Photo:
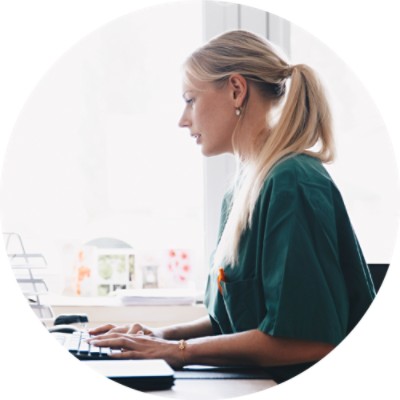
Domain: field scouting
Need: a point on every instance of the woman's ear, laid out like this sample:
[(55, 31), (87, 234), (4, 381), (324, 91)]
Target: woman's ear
[(238, 87)]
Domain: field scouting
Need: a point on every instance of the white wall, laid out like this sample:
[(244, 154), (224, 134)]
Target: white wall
[(365, 168)]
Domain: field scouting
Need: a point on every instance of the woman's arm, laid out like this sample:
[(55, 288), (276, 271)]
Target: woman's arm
[(246, 348), (253, 348), (194, 329)]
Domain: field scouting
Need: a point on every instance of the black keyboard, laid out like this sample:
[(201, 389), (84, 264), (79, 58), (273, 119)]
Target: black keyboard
[(77, 345)]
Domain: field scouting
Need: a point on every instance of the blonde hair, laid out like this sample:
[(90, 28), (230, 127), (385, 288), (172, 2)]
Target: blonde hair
[(303, 124)]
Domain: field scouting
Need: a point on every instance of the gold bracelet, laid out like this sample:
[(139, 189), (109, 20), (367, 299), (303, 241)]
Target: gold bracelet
[(182, 347)]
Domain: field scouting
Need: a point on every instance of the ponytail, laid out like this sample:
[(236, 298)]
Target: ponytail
[(305, 120), (303, 126)]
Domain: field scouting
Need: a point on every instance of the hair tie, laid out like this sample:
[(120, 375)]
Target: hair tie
[(289, 70)]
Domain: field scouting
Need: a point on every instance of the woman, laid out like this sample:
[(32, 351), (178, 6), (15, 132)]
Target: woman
[(288, 280)]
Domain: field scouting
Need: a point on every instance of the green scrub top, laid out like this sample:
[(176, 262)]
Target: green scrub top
[(301, 273)]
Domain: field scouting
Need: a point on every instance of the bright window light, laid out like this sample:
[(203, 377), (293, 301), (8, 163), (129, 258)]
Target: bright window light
[(97, 151)]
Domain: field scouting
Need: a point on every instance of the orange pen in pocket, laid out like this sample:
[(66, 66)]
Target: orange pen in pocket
[(221, 277)]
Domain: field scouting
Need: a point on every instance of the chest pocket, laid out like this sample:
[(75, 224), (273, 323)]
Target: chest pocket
[(244, 303)]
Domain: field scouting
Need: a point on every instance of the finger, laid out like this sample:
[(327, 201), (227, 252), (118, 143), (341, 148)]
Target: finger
[(105, 336), (101, 329), (114, 343), (136, 329), (119, 329), (111, 343)]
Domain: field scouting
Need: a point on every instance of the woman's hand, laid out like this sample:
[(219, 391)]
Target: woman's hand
[(140, 346), (127, 329), (187, 330)]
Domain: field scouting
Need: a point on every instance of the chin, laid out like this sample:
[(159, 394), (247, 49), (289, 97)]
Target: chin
[(214, 151), (209, 153)]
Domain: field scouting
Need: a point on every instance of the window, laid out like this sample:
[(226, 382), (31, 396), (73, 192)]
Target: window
[(97, 151)]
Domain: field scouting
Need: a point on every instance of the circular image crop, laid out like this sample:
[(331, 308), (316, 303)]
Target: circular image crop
[(220, 170)]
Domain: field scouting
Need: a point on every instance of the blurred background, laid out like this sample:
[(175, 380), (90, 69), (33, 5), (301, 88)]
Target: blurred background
[(98, 176)]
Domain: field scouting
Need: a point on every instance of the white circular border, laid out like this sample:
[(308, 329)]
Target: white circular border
[(33, 35)]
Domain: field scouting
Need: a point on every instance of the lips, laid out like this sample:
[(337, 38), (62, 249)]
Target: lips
[(196, 136)]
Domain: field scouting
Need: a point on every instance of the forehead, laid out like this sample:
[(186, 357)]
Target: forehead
[(192, 84)]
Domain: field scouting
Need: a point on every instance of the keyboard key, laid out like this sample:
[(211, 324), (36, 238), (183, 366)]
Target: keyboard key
[(77, 345)]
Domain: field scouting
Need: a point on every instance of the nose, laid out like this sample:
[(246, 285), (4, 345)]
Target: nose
[(184, 121)]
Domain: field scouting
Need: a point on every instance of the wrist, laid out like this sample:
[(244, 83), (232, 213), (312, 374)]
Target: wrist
[(182, 346)]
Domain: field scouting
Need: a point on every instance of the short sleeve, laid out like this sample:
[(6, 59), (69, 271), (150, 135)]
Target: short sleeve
[(304, 291)]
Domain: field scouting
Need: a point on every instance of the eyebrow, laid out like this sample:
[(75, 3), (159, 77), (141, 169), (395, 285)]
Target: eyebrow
[(185, 92)]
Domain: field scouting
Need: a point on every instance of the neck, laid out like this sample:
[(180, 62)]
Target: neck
[(252, 128)]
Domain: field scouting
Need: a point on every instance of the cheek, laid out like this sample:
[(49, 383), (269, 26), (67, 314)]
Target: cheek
[(214, 116), (225, 122)]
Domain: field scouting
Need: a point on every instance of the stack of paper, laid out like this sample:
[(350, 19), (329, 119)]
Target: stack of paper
[(157, 297)]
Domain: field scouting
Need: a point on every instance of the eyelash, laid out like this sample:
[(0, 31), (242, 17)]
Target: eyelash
[(189, 101)]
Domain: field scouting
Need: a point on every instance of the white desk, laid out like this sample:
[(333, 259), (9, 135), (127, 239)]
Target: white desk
[(213, 389), (104, 310)]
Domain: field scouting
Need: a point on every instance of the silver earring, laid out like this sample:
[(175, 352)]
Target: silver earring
[(238, 111)]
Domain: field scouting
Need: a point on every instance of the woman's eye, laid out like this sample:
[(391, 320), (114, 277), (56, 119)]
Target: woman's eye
[(189, 101)]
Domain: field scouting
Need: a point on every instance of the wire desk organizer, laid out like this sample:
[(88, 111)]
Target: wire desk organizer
[(25, 266)]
